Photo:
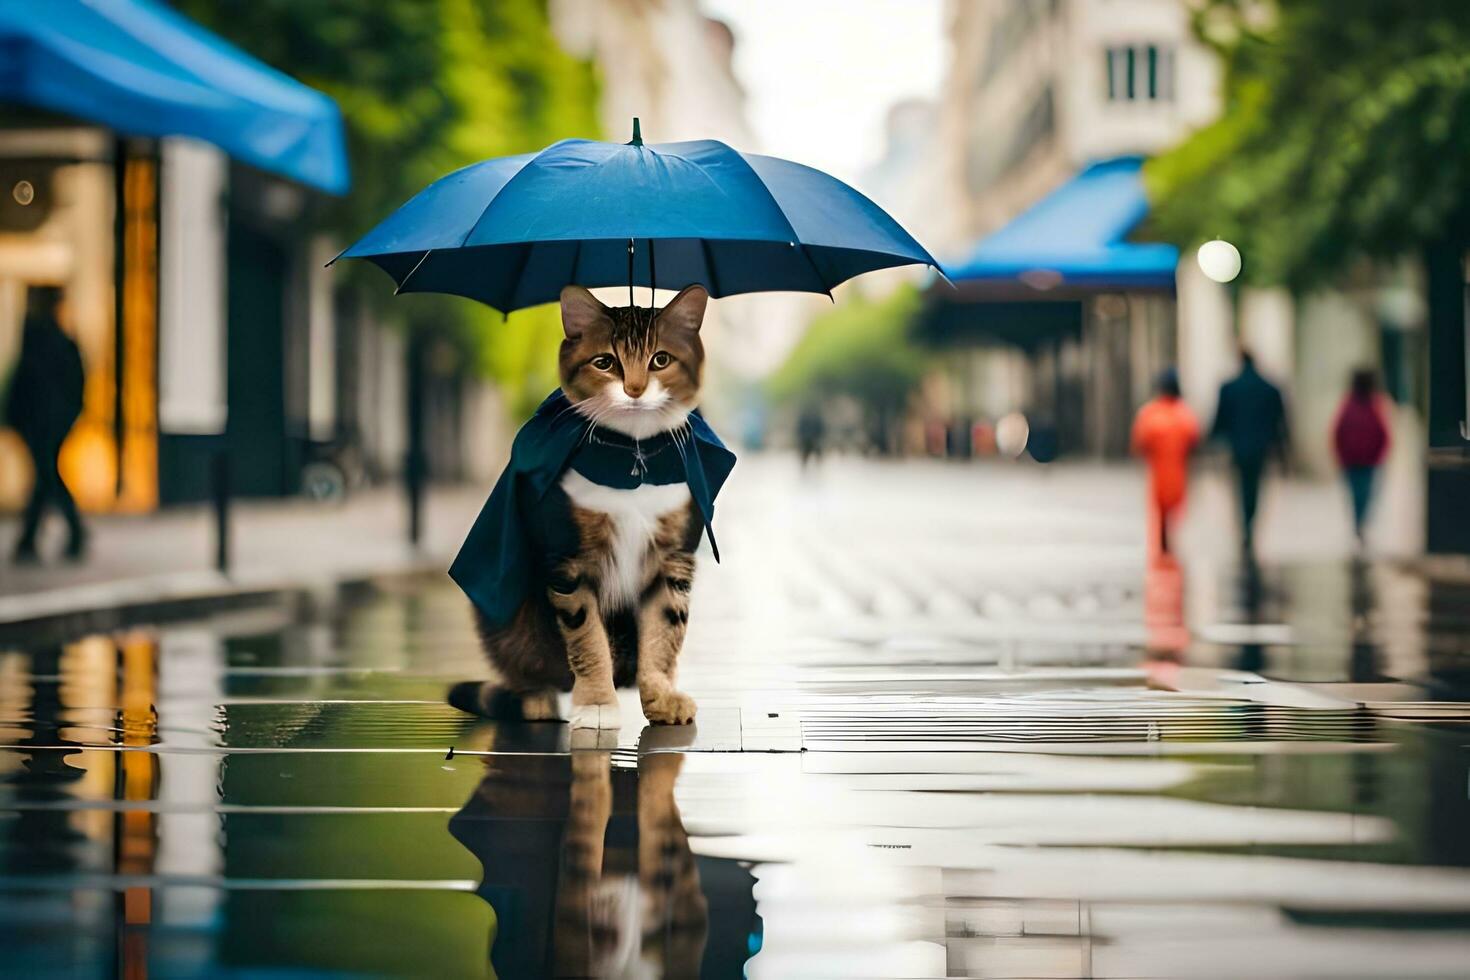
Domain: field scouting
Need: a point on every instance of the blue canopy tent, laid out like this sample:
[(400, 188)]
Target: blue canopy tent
[(1077, 236), (1027, 286), (142, 69), (1024, 284)]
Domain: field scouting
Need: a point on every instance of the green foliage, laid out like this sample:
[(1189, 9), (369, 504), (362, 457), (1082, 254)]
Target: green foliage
[(523, 358), (426, 87), (861, 349), (1346, 134)]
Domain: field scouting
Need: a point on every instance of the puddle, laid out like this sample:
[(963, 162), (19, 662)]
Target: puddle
[(1079, 788)]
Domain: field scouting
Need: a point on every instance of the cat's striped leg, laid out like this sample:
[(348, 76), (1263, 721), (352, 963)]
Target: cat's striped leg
[(663, 616), (582, 937), (676, 917), (594, 699)]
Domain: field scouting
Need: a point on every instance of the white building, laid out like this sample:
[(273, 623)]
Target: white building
[(1039, 89)]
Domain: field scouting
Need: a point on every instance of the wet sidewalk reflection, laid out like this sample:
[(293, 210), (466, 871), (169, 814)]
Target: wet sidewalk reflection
[(589, 872), (915, 757)]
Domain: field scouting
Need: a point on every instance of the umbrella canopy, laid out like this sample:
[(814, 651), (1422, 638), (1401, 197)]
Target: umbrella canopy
[(511, 232)]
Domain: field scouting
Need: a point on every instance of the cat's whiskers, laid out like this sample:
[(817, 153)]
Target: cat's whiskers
[(679, 434), (599, 414), (595, 409)]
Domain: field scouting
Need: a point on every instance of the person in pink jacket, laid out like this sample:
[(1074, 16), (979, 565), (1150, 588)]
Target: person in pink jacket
[(1360, 437)]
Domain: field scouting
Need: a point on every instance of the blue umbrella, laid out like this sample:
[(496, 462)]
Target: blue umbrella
[(511, 232)]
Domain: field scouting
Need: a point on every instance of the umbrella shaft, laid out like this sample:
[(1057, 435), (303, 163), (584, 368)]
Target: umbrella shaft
[(652, 275)]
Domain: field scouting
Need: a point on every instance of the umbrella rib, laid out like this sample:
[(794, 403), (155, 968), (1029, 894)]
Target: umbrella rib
[(531, 158), (821, 280), (404, 281), (709, 261), (795, 240), (515, 280)]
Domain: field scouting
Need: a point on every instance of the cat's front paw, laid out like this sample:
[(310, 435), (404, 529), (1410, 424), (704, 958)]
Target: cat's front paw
[(669, 708), (598, 716)]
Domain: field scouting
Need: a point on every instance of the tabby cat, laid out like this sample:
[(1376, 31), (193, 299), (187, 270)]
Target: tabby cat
[(614, 603)]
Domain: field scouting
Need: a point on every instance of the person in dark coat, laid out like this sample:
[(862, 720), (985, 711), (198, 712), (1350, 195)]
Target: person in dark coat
[(43, 403), (811, 429), (1360, 437), (1251, 419)]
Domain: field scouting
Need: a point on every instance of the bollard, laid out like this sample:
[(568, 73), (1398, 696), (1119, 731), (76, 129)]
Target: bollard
[(415, 463), (220, 485), (414, 478)]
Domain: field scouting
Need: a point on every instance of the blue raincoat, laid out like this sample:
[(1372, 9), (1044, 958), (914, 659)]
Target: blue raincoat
[(524, 530)]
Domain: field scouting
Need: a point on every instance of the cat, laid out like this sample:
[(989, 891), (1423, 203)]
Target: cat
[(614, 605), (588, 867)]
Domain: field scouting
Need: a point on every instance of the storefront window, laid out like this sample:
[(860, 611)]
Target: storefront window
[(57, 204)]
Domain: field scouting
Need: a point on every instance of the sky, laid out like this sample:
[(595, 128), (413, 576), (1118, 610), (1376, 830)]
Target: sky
[(820, 75)]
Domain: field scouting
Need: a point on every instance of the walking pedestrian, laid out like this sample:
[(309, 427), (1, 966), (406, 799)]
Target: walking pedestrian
[(1251, 418), (1165, 432), (811, 431), (1360, 436), (44, 401)]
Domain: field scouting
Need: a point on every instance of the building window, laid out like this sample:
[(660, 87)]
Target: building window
[(1140, 73)]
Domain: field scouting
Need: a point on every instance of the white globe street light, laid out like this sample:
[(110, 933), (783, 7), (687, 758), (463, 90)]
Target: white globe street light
[(1011, 433), (1219, 260)]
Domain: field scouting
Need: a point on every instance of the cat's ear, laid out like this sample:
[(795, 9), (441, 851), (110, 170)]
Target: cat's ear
[(579, 310), (686, 310)]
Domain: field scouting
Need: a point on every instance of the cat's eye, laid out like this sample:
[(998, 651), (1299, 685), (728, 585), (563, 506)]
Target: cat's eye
[(661, 360), (602, 362)]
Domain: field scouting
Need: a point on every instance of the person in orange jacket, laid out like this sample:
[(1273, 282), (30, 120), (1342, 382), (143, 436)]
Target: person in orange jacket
[(1165, 432)]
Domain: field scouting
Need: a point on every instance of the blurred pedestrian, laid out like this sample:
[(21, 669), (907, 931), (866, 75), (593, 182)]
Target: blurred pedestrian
[(1360, 436), (44, 401), (1251, 418), (811, 429), (1164, 434)]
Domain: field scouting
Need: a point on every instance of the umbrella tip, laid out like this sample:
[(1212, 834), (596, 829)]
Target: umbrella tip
[(637, 139)]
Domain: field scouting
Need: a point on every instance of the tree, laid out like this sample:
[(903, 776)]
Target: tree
[(861, 350), (426, 87), (1345, 136)]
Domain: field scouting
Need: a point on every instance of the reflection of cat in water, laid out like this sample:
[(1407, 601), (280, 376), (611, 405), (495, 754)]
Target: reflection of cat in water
[(615, 922), (581, 887)]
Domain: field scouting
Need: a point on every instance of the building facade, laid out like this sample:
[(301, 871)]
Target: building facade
[(1039, 89), (181, 232), (1036, 92)]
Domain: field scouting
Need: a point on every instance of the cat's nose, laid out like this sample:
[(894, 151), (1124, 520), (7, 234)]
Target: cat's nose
[(634, 388)]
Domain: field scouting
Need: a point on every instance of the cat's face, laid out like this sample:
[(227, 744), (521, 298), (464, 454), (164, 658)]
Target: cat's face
[(634, 370)]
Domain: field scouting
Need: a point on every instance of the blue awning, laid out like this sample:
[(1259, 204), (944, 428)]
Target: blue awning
[(140, 68), (1076, 236)]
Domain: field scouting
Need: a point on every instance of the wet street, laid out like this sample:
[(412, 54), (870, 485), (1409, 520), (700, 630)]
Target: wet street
[(952, 724)]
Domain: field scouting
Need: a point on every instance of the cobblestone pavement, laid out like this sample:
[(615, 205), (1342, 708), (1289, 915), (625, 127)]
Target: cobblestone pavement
[(952, 723)]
